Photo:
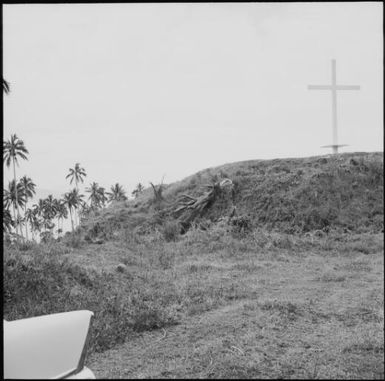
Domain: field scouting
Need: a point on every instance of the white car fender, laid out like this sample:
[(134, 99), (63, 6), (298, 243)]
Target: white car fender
[(46, 347)]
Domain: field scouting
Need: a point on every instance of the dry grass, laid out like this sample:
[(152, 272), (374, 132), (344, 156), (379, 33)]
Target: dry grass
[(210, 305), (273, 319)]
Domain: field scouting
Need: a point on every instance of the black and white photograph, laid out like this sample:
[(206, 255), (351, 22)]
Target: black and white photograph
[(193, 190)]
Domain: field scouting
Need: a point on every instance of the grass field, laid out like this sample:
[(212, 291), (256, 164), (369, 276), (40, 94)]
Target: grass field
[(265, 313), (266, 305)]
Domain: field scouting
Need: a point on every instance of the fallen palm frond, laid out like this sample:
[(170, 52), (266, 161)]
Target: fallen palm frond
[(6, 87), (189, 207), (158, 191)]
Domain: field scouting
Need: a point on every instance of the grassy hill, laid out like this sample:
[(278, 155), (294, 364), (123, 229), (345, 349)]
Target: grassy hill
[(342, 192), (296, 242)]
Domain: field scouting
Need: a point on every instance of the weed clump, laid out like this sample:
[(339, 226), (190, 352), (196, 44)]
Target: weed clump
[(286, 309), (241, 224), (171, 230), (73, 240)]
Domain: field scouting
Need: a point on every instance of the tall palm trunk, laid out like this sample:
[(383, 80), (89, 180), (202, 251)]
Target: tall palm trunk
[(58, 227), (26, 222), (72, 223), (14, 215), (16, 198), (75, 208), (75, 216)]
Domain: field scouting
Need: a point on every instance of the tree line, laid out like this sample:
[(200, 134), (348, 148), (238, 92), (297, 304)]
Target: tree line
[(41, 217)]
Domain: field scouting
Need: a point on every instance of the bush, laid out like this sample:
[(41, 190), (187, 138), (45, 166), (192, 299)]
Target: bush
[(73, 240), (171, 231), (241, 224), (46, 236), (26, 245)]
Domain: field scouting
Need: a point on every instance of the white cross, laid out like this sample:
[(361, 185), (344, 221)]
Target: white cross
[(334, 87)]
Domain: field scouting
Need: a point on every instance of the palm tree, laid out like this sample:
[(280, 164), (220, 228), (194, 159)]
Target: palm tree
[(20, 222), (94, 196), (72, 200), (8, 223), (67, 197), (102, 197), (6, 87), (14, 196), (29, 216), (6, 198), (117, 193), (84, 210), (76, 174), (12, 150), (28, 186), (39, 208), (138, 190), (49, 212), (77, 198), (29, 190), (43, 212), (50, 207), (7, 220), (57, 206), (61, 213), (36, 224)]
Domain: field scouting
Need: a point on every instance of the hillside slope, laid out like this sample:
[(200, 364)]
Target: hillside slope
[(343, 192)]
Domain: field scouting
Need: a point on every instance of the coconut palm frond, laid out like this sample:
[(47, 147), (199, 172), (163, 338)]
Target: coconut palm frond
[(76, 174), (6, 87), (189, 207)]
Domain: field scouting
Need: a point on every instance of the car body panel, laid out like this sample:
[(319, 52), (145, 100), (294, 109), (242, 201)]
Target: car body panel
[(46, 347), (84, 374)]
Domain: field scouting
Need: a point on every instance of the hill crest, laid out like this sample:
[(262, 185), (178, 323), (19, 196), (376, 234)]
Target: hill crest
[(292, 195)]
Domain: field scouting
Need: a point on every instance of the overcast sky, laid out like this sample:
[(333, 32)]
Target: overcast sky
[(137, 91)]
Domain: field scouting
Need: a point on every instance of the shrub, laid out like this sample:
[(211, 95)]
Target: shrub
[(241, 224), (25, 246), (171, 231), (73, 240), (46, 236), (376, 172)]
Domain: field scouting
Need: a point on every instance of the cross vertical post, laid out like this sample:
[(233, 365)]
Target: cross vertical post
[(334, 106), (333, 88)]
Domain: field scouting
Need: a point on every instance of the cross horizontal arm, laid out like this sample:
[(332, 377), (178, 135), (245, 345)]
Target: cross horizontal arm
[(319, 87), (347, 87), (330, 87)]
